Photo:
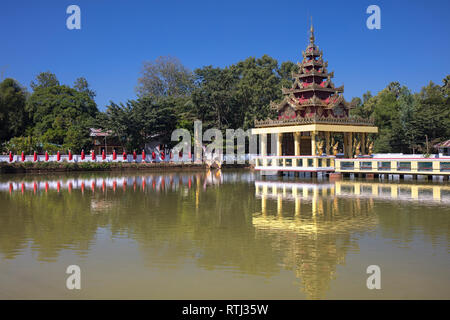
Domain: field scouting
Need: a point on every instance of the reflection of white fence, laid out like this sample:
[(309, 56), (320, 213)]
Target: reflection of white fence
[(156, 181), (353, 189)]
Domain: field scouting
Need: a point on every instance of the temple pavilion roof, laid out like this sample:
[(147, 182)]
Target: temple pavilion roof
[(313, 94)]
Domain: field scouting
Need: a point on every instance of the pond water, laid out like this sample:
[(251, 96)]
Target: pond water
[(222, 235)]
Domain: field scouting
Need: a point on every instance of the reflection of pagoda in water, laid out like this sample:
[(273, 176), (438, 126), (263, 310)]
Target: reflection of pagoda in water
[(311, 229), (319, 222)]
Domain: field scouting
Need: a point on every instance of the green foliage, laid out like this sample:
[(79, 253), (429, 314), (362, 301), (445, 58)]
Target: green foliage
[(82, 85), (119, 118), (59, 166), (44, 165), (51, 148), (139, 121), (77, 137), (44, 80), (90, 166), (406, 120), (29, 145), (157, 117), (165, 76), (234, 97), (25, 144), (259, 83), (62, 115), (214, 97), (13, 118)]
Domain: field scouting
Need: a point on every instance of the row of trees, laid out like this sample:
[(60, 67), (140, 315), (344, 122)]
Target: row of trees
[(408, 122), (169, 96)]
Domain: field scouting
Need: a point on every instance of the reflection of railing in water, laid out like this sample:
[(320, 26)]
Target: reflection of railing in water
[(394, 191), (386, 191)]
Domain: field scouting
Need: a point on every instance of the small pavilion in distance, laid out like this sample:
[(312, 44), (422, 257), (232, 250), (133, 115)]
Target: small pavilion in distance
[(313, 117)]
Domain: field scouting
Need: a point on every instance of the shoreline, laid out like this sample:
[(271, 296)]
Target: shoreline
[(46, 167)]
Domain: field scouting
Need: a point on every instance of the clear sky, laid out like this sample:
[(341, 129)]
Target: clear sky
[(412, 47)]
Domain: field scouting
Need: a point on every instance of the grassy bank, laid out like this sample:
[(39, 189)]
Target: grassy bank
[(38, 167)]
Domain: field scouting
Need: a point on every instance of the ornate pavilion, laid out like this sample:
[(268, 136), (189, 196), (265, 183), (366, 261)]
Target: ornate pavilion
[(313, 117)]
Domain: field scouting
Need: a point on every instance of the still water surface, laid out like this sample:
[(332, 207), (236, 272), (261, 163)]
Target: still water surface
[(222, 235)]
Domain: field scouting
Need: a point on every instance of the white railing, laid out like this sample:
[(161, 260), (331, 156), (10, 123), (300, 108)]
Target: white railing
[(98, 158), (415, 166), (295, 163)]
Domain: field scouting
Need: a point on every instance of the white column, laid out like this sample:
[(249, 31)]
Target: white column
[(279, 144), (297, 143), (263, 147)]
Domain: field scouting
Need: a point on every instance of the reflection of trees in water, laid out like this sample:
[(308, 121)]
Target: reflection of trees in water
[(46, 222), (409, 222), (51, 221), (212, 227), (313, 245)]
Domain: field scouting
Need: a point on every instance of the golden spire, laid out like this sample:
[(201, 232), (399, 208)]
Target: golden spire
[(311, 37)]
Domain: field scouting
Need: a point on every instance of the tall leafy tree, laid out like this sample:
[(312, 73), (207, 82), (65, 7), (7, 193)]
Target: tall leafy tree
[(234, 97), (156, 118), (409, 131), (406, 120), (285, 73), (259, 83), (62, 115), (139, 121), (214, 97), (433, 112), (119, 119), (13, 118), (44, 80), (82, 85), (165, 76)]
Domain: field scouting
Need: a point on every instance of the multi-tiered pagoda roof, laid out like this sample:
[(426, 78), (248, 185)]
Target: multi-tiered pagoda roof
[(313, 95)]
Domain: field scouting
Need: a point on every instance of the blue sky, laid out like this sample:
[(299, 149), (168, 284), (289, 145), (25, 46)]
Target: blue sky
[(412, 47)]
